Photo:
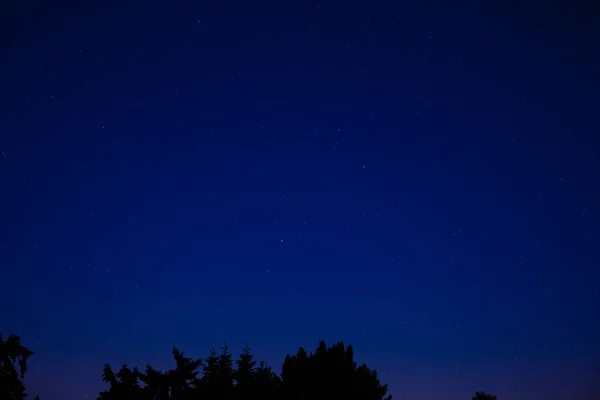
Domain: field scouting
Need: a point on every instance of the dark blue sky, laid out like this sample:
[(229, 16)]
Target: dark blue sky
[(420, 182)]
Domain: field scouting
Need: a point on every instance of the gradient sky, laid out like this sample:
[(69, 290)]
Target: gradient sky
[(421, 182)]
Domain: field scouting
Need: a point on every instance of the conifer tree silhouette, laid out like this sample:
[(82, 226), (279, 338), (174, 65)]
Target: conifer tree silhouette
[(267, 382), (245, 375), (208, 385), (225, 363), (225, 373), (182, 379), (157, 385)]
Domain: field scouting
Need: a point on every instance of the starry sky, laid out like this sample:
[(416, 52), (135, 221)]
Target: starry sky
[(419, 181)]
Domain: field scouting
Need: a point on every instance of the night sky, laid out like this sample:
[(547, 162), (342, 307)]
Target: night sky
[(421, 182)]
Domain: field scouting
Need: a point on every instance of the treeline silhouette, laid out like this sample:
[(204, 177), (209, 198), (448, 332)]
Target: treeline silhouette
[(325, 374), (328, 373)]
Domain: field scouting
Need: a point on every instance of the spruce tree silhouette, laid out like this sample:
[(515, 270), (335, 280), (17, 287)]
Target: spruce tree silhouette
[(13, 365), (209, 383), (245, 375), (266, 381), (483, 396), (182, 379), (225, 371)]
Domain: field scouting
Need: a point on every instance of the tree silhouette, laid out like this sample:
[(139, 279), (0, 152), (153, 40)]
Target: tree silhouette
[(267, 383), (209, 383), (157, 385), (183, 378), (245, 375), (483, 396), (294, 372), (13, 365), (125, 384), (329, 373), (225, 370)]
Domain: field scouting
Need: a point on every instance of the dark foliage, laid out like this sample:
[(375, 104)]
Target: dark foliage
[(328, 373), (483, 396), (13, 365)]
